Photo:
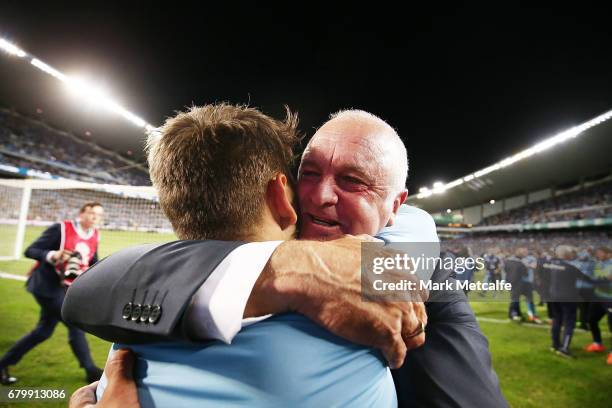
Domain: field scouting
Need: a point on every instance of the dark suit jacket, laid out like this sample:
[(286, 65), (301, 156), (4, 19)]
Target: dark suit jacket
[(44, 280), (515, 271), (452, 369), (139, 294)]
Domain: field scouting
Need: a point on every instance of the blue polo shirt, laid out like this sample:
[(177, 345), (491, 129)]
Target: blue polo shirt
[(283, 361)]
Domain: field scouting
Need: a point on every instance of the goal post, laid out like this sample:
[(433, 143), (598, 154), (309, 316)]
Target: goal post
[(132, 214)]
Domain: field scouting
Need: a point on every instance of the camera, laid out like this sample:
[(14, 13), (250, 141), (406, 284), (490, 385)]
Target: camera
[(73, 267)]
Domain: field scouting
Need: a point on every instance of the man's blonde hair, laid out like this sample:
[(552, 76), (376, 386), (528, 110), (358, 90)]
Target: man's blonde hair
[(211, 166)]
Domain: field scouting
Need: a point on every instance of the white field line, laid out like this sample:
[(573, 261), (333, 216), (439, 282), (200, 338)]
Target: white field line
[(5, 275)]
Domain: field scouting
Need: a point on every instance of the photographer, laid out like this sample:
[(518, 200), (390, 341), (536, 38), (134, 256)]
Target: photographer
[(62, 252)]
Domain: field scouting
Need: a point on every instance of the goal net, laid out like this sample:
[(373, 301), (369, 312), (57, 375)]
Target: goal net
[(132, 214)]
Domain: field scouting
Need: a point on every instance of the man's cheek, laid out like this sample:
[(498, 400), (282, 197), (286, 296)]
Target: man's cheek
[(306, 184), (370, 218)]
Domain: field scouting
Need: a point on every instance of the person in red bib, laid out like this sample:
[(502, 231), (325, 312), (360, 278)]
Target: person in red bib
[(79, 250), (63, 252)]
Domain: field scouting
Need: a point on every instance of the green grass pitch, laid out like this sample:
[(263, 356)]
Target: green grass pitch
[(530, 375)]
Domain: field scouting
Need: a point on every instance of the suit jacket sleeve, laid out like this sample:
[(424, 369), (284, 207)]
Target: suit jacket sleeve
[(453, 368), (163, 277), (455, 359), (50, 240)]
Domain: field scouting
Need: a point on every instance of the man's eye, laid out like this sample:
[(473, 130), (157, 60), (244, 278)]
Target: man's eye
[(353, 180)]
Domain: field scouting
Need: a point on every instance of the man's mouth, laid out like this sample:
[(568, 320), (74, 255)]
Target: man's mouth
[(323, 221)]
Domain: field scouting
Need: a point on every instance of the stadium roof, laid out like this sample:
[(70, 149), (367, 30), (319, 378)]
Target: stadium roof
[(577, 156)]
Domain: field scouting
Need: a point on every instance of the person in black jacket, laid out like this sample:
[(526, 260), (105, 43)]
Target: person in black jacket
[(563, 297), (515, 271), (62, 252)]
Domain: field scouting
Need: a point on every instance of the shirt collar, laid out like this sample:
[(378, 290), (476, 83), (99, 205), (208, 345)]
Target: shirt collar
[(80, 229)]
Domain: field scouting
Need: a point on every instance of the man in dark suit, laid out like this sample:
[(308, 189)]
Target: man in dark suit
[(350, 181), (515, 273), (62, 252)]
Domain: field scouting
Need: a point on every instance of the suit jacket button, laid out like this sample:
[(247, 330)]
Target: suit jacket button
[(156, 312), (136, 310), (145, 313), (126, 313)]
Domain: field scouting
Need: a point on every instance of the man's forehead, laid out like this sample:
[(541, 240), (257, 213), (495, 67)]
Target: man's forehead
[(348, 146), (346, 140)]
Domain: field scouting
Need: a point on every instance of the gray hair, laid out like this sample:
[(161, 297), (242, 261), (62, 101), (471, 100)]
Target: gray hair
[(400, 174), (566, 252)]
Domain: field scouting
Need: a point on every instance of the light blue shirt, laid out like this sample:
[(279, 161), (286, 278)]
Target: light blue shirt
[(411, 225), (586, 266), (284, 361), (530, 263)]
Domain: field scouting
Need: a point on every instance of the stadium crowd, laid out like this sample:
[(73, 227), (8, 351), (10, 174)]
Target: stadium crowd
[(569, 270), (122, 212), (592, 202), (31, 144)]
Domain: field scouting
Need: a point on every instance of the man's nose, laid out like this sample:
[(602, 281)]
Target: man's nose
[(325, 194)]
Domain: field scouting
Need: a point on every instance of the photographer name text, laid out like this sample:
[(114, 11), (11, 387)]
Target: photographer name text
[(410, 285)]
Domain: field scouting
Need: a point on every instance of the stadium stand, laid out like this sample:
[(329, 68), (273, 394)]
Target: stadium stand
[(591, 202), (539, 243), (578, 216), (26, 143), (122, 212)]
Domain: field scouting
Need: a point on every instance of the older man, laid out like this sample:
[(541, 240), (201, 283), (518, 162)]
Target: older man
[(352, 181), (352, 177)]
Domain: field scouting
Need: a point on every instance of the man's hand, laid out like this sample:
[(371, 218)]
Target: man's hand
[(322, 280), (61, 256), (120, 391)]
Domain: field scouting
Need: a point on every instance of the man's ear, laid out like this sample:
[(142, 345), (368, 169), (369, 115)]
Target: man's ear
[(279, 196), (397, 202)]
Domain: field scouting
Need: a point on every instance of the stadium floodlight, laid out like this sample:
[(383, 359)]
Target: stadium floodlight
[(11, 48), (487, 170), (455, 183), (81, 88), (85, 89), (134, 119), (448, 211), (544, 145), (438, 187), (98, 96), (491, 202), (424, 192), (48, 69)]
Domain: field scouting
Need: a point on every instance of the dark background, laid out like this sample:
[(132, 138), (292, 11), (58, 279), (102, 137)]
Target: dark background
[(465, 85)]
